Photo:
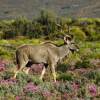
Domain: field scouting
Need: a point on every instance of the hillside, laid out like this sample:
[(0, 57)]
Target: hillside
[(29, 8)]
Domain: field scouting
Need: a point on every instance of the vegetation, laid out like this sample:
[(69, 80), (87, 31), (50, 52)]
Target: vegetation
[(51, 26), (78, 77)]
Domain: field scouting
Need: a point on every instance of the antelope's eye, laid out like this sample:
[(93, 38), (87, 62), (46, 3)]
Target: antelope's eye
[(69, 38)]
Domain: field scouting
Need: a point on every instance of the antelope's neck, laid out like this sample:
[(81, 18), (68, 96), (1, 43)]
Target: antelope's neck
[(63, 51)]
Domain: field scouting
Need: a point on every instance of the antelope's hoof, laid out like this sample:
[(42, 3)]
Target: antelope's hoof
[(13, 77)]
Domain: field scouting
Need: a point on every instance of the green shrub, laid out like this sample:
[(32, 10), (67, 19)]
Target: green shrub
[(10, 90), (83, 64), (7, 29), (24, 78), (5, 54), (89, 50), (82, 92), (78, 33), (64, 87), (20, 25), (7, 75), (97, 20), (34, 96), (47, 86), (3, 42), (9, 34), (51, 26), (36, 31), (1, 34), (92, 32), (48, 20), (94, 75), (65, 76), (85, 56), (87, 21), (63, 67), (3, 90), (72, 59)]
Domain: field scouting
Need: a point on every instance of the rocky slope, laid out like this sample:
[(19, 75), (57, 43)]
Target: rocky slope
[(30, 8)]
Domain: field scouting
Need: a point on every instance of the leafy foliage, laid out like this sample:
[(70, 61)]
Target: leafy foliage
[(50, 26)]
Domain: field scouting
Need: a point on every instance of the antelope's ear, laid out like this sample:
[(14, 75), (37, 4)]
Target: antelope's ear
[(67, 39)]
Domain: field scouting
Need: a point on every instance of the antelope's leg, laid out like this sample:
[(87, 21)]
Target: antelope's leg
[(19, 68), (53, 72), (16, 72), (43, 72), (27, 70)]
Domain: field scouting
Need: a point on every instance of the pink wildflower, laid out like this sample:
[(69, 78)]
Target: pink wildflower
[(46, 93), (75, 85), (2, 66), (2, 69), (92, 90), (17, 98), (8, 82), (30, 87)]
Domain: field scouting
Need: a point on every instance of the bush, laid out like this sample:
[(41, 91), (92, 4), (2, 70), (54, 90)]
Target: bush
[(36, 31), (85, 57), (51, 26), (63, 67), (83, 64), (5, 54), (1, 34), (73, 59), (20, 25), (64, 87), (48, 20), (94, 75), (65, 76), (86, 21), (78, 33), (7, 75), (91, 32)]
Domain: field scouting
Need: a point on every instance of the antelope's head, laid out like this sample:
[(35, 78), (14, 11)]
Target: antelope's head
[(68, 40)]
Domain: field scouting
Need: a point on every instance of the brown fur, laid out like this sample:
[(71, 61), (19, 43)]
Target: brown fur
[(47, 53)]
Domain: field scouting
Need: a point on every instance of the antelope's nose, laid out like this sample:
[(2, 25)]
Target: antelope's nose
[(77, 50)]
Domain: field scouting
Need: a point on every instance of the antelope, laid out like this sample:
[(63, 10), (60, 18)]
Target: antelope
[(46, 53)]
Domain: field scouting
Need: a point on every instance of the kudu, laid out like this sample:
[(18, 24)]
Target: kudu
[(47, 53)]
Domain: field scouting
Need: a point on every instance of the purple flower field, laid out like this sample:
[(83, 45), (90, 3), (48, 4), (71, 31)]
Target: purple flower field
[(26, 87)]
